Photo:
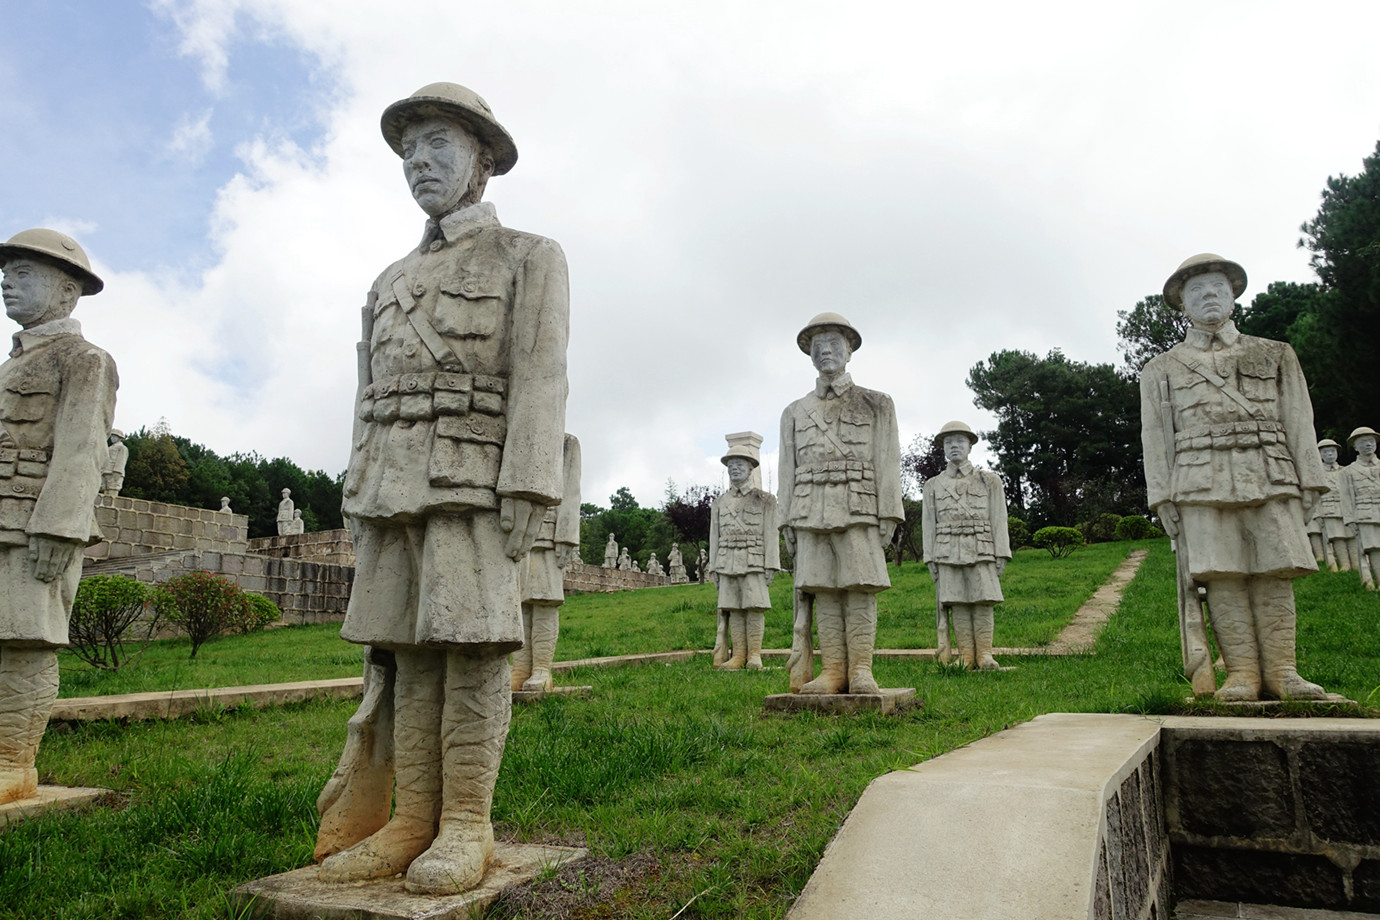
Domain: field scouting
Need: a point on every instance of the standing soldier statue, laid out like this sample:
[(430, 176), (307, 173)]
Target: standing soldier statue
[(57, 400), (113, 470), (457, 454), (966, 547), (1326, 531), (1361, 504), (745, 555), (1232, 469), (611, 553), (840, 502), (541, 580)]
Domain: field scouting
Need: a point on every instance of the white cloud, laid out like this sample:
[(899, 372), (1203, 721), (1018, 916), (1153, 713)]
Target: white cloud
[(207, 28), (191, 139)]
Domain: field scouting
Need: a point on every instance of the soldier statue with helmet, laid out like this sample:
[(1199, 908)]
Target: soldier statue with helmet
[(744, 557), (1361, 504), (1326, 530)]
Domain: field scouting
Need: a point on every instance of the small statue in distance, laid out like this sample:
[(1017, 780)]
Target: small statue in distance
[(117, 457), (1361, 504), (285, 509), (611, 553), (1326, 530), (746, 555)]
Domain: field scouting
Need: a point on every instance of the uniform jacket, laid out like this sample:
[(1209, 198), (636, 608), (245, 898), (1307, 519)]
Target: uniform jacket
[(1361, 492), (963, 519), (458, 434), (57, 400), (561, 524), (1330, 502), (1223, 454), (840, 458), (742, 533)]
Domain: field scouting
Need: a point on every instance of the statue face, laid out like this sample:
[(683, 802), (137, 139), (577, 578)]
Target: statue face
[(33, 291), (957, 447), (1208, 299), (738, 470), (830, 352), (1329, 455), (1365, 445), (439, 158)]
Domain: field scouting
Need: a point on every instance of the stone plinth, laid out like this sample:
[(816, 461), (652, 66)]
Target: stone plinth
[(534, 696), (171, 704), (334, 547), (49, 799), (134, 527), (889, 700), (595, 579), (298, 895)]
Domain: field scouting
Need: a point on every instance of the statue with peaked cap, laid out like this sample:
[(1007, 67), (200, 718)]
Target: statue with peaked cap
[(840, 501), (57, 400), (457, 454), (1360, 487), (966, 547), (1326, 529), (744, 556), (1230, 455)]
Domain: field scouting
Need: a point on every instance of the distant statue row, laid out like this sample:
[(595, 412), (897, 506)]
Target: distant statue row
[(614, 558), (1345, 526)]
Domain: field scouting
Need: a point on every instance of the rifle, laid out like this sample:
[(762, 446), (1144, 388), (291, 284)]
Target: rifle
[(941, 624), (722, 640), (1193, 642), (356, 799), (801, 665)]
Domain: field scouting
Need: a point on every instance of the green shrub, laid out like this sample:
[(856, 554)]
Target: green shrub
[(105, 610), (1101, 530), (1059, 541), (256, 613), (1017, 531), (1133, 527), (204, 605)]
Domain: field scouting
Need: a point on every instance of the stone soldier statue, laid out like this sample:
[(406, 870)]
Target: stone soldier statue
[(965, 545), (1326, 531), (297, 525), (1361, 504), (285, 509), (675, 565), (541, 581), (57, 399), (611, 553), (457, 454), (225, 504), (625, 563), (745, 556), (113, 471), (653, 566), (701, 566), (1230, 455), (840, 502)]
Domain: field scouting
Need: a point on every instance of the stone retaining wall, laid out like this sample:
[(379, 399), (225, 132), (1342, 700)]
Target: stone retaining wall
[(590, 579), (331, 546), (133, 526), (306, 592)]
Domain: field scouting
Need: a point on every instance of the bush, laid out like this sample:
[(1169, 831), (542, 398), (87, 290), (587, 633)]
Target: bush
[(105, 609), (1059, 541), (1017, 532), (204, 605), (1133, 527), (256, 613), (1101, 530)]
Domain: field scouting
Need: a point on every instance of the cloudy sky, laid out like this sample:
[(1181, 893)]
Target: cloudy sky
[(954, 178)]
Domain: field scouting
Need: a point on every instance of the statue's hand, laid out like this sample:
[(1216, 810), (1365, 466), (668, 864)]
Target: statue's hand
[(1310, 501), (520, 520), (565, 554), (1169, 518), (50, 556), (934, 570), (789, 534), (1001, 565), (888, 530)]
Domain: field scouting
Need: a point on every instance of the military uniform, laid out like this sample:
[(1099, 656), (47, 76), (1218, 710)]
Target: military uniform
[(541, 577), (1327, 513), (964, 533), (1360, 500), (57, 400), (442, 437), (744, 549)]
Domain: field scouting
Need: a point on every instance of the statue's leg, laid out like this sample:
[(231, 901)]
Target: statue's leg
[(756, 627), (1370, 565), (860, 615), (964, 638), (28, 687), (1234, 626), (417, 701), (474, 726), (983, 626), (1319, 553), (1357, 557), (522, 658), (833, 649), (1329, 555), (1341, 552), (737, 629), (1272, 600), (544, 629)]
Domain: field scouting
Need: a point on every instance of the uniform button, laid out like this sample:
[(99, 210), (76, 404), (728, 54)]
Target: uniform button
[(17, 488), (418, 289), (436, 245), (468, 287), (409, 349)]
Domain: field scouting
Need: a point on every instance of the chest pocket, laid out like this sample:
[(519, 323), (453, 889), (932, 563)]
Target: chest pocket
[(855, 426), (27, 398), (469, 304), (1193, 392), (1259, 379)]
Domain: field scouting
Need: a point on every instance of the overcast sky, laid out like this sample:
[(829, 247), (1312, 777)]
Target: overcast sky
[(954, 178)]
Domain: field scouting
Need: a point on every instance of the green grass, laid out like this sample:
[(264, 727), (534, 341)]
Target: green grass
[(672, 769)]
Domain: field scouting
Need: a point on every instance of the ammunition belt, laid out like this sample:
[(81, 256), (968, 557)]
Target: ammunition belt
[(24, 469), (963, 528), (1230, 435), (427, 396), (835, 471)]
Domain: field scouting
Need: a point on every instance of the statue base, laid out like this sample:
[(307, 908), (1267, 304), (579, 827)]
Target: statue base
[(48, 800), (1331, 700), (299, 895), (532, 696), (887, 701)]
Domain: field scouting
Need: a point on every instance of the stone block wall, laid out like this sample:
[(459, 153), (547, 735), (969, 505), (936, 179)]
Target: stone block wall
[(581, 578), (306, 592), (1276, 811), (331, 546), (1133, 880), (133, 527)]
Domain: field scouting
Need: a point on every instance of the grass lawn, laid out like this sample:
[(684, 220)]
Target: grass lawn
[(672, 775)]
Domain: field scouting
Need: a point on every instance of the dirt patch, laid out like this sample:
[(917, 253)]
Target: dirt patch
[(591, 888)]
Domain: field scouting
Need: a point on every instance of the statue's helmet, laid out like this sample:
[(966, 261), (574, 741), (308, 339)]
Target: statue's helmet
[(452, 101)]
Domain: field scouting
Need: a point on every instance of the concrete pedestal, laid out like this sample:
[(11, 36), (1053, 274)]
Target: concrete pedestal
[(49, 799), (532, 696), (889, 700)]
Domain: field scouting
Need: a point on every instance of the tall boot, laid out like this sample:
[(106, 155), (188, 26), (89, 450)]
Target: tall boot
[(420, 683), (756, 627), (1341, 553), (474, 727), (1229, 610), (522, 658), (722, 642), (737, 627), (1319, 553), (833, 647), (28, 687), (962, 615), (862, 634), (545, 628), (1272, 599), (983, 623), (1353, 546), (1330, 555), (1367, 566)]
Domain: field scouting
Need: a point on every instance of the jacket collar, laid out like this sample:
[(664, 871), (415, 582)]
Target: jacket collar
[(27, 339), (1202, 339), (839, 385), (460, 223)]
